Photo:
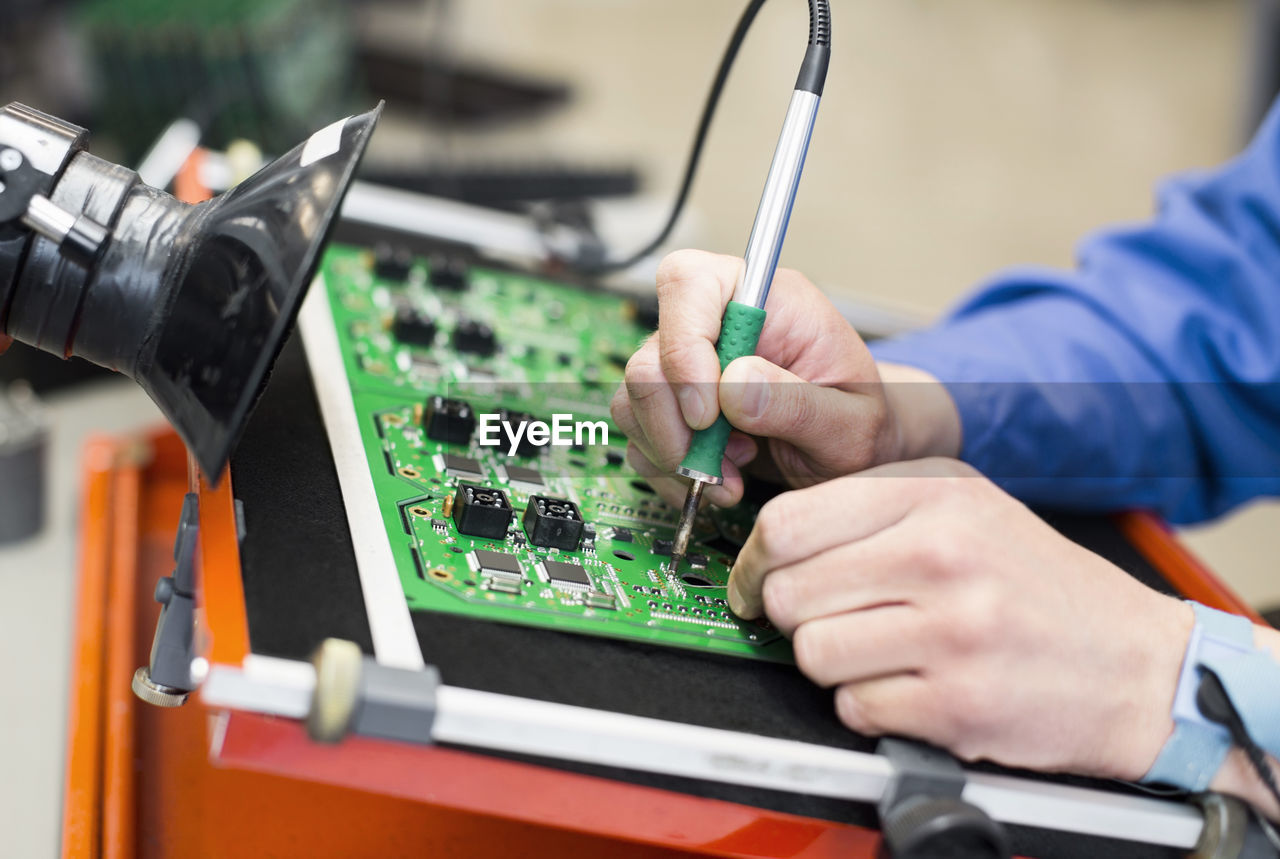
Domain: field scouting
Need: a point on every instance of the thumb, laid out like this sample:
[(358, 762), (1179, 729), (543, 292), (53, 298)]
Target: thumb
[(836, 430)]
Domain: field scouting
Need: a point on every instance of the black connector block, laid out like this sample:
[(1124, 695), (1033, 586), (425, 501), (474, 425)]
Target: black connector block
[(553, 523), (448, 420), (413, 328), (392, 262), (474, 338), (449, 273), (480, 511), (510, 422)]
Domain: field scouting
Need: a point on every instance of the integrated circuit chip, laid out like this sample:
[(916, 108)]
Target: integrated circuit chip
[(520, 474), (623, 535), (497, 563), (566, 575), (662, 547), (463, 466)]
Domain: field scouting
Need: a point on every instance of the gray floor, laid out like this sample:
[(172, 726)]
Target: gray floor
[(37, 594)]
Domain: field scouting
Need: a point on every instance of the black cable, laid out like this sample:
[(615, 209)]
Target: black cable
[(819, 34), (1215, 704)]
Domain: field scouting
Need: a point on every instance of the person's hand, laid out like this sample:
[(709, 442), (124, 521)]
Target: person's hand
[(812, 389), (939, 607)]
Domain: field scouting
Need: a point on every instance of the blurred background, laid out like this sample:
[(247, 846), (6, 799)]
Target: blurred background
[(955, 138)]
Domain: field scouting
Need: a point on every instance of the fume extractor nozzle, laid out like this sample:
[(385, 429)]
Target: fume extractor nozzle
[(193, 302)]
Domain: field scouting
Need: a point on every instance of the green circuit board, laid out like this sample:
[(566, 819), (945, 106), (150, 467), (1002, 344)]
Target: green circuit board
[(442, 356)]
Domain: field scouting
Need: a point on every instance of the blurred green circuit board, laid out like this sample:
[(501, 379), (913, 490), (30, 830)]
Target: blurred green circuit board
[(557, 349)]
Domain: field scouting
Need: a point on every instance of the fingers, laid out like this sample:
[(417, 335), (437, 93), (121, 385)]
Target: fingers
[(805, 522), (693, 289), (652, 418), (897, 704), (861, 645), (852, 577), (837, 430)]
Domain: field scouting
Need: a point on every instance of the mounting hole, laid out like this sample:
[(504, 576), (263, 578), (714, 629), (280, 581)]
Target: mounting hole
[(694, 580), (442, 575), (420, 512), (626, 556), (642, 486), (410, 472)]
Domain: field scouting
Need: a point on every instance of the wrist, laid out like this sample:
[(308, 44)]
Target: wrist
[(1237, 776), (1153, 665), (923, 416)]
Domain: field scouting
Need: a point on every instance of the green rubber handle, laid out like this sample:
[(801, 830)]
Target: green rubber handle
[(739, 334)]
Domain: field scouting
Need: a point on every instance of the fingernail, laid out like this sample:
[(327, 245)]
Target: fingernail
[(692, 405), (755, 396), (736, 603)]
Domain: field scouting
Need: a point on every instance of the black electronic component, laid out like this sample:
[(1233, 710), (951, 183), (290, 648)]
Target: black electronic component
[(497, 563), (449, 273), (520, 474), (480, 511), (463, 466), (661, 546), (554, 523), (392, 262), (696, 560), (510, 423), (413, 328), (565, 359), (448, 420), (474, 338), (440, 524), (623, 535), (613, 457), (565, 574)]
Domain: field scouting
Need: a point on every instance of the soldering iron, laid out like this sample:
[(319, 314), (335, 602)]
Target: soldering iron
[(744, 316)]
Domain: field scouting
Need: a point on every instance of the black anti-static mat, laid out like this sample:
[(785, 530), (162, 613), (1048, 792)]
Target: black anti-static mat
[(301, 586)]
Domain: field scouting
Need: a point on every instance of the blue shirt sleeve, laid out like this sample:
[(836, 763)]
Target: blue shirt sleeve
[(1148, 377)]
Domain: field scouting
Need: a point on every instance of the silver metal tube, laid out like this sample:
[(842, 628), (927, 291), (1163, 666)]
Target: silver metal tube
[(770, 228), (487, 720), (48, 219)]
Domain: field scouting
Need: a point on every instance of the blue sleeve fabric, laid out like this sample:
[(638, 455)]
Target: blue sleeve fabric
[(1148, 377)]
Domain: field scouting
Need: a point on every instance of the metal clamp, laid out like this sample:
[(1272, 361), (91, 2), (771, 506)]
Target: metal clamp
[(354, 694), (921, 809), (166, 680), (1231, 831)]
